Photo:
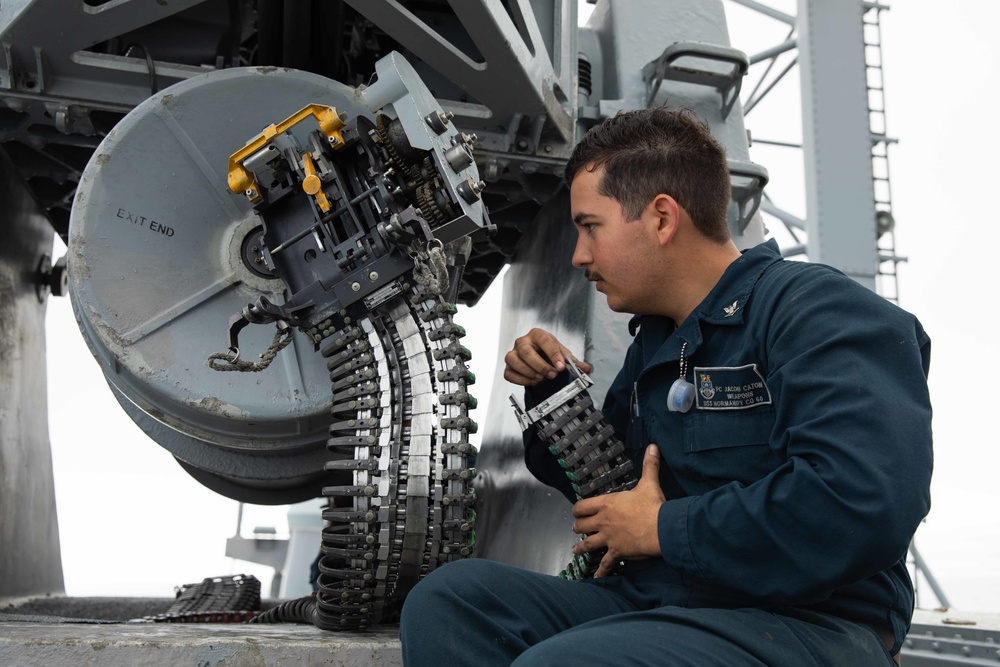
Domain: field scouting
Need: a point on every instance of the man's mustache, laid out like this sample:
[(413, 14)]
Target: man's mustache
[(593, 276)]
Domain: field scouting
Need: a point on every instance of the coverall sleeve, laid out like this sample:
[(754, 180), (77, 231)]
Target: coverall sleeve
[(847, 372)]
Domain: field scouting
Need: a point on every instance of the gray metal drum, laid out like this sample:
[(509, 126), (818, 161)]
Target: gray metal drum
[(156, 272)]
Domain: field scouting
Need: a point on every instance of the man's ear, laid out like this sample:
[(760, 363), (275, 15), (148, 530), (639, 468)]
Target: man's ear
[(667, 214)]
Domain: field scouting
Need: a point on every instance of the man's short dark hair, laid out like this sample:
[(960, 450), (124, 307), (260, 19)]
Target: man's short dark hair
[(655, 151)]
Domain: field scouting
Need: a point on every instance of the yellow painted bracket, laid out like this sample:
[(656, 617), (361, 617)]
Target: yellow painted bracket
[(241, 180), (311, 184)]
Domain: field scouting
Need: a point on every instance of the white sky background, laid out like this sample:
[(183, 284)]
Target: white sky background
[(133, 523)]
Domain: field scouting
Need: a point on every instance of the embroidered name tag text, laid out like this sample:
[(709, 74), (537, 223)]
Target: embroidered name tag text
[(730, 387)]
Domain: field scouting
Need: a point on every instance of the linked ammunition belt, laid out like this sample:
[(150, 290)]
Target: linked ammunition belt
[(231, 599), (585, 446), (401, 407)]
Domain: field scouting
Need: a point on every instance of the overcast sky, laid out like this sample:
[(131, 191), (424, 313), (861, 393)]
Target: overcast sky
[(939, 66), (133, 523)]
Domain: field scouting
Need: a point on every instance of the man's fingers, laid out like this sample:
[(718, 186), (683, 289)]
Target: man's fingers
[(538, 355), (586, 507), (530, 350), (516, 378), (607, 565), (651, 465), (589, 543), (551, 352), (518, 372)]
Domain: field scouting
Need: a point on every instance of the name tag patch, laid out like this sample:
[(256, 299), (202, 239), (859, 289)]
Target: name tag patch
[(730, 387)]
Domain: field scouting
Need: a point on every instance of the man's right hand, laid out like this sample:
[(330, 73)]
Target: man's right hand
[(538, 356)]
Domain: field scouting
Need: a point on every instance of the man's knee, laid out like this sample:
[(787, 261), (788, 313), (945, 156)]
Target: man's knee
[(446, 613), (454, 584), (458, 576)]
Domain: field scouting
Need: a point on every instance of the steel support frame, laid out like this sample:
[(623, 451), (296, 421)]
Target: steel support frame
[(30, 557), (840, 213), (840, 218), (61, 73), (527, 71)]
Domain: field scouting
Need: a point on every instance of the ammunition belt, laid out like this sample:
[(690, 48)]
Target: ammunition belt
[(400, 433), (586, 447)]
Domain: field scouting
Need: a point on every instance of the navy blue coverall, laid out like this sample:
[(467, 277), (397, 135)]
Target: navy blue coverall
[(793, 487)]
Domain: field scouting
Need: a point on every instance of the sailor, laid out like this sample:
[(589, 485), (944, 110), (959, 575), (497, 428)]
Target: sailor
[(781, 481)]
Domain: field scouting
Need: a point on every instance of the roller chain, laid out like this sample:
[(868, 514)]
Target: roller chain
[(401, 417), (585, 446)]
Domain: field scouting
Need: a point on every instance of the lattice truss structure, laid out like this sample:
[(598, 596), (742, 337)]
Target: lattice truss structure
[(777, 44)]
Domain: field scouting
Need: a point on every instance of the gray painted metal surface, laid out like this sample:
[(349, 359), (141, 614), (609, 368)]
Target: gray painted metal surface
[(156, 269), (34, 64), (29, 536), (840, 206), (945, 637), (61, 89), (156, 272), (516, 62)]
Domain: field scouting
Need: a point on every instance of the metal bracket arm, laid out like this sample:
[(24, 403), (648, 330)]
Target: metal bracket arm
[(330, 122), (727, 83), (748, 181)]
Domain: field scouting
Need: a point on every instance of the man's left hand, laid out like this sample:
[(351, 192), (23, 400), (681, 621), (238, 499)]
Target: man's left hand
[(625, 522)]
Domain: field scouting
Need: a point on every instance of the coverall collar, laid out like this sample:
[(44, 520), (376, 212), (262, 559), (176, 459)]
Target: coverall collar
[(724, 306)]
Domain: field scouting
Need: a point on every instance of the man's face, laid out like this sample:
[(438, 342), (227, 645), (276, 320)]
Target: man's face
[(617, 254)]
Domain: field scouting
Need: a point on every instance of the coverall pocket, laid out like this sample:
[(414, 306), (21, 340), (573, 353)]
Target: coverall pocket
[(731, 445)]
